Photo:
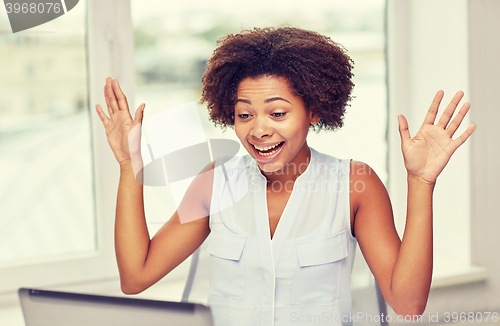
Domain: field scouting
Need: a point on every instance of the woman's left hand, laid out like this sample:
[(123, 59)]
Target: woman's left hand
[(426, 154)]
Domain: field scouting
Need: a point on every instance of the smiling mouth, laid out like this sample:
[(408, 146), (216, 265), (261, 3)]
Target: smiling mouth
[(268, 151)]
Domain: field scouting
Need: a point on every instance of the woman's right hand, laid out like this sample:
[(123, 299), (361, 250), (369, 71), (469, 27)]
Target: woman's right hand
[(120, 123)]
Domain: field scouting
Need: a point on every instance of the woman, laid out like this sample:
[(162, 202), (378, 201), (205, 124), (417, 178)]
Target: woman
[(285, 219)]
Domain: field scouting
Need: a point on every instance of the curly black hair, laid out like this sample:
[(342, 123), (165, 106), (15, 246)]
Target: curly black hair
[(318, 69)]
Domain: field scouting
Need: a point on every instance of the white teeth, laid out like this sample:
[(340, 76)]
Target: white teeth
[(270, 153), (265, 148)]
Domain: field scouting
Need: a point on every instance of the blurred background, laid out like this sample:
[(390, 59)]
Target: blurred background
[(59, 183)]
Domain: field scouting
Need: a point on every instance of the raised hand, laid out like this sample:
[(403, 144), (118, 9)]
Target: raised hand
[(120, 123), (426, 154)]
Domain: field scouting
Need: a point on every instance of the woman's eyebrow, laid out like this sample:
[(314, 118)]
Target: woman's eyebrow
[(244, 101), (277, 98)]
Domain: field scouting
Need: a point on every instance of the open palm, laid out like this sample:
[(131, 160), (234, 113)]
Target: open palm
[(426, 154), (120, 124)]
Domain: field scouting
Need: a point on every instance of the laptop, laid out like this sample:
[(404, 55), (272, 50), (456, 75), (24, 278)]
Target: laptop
[(51, 308)]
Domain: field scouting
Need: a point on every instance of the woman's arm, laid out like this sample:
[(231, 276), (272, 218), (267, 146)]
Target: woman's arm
[(131, 232), (412, 274), (403, 269), (141, 261)]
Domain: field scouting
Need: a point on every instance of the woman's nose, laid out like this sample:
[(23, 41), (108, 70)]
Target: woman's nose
[(261, 128)]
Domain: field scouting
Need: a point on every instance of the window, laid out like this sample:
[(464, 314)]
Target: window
[(47, 188), (49, 228)]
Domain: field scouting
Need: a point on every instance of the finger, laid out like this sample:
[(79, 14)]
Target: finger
[(464, 136), (139, 114), (455, 123), (433, 109), (110, 110), (113, 102), (404, 132), (102, 115), (448, 112), (122, 99)]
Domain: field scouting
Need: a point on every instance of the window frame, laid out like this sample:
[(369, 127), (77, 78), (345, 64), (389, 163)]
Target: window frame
[(109, 43)]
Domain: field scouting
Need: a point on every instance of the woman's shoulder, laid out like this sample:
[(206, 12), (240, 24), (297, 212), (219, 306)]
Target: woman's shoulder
[(365, 185), (360, 173), (361, 170)]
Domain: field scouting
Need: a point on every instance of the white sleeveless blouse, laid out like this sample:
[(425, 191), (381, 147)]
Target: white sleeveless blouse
[(302, 276)]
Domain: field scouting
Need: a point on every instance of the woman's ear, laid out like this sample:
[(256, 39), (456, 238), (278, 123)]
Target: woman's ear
[(314, 118)]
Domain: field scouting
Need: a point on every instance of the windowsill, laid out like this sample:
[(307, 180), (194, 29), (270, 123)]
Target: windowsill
[(465, 275), (449, 271)]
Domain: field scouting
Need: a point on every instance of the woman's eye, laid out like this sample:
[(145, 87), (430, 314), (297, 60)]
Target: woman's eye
[(279, 114), (244, 116)]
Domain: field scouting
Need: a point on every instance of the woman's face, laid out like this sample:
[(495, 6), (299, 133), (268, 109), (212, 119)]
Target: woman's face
[(272, 122)]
